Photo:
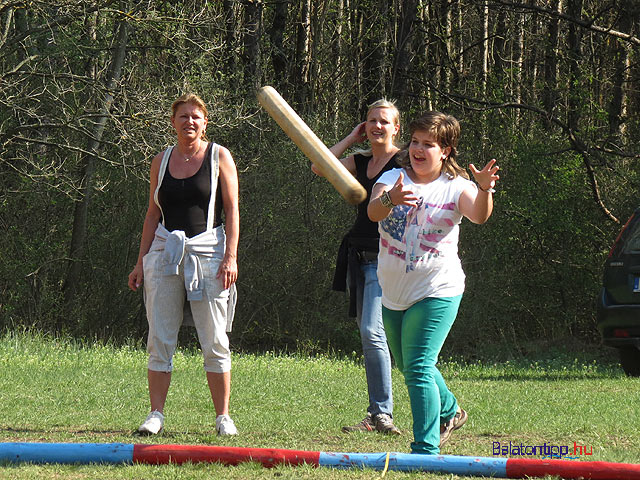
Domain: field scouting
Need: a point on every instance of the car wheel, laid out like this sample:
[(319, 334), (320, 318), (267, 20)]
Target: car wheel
[(630, 360)]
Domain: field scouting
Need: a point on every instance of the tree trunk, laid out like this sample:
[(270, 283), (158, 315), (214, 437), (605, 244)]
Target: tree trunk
[(399, 77), (88, 168), (230, 35), (574, 43), (374, 51), (499, 44), (622, 55), (356, 27), (443, 16), (318, 29), (519, 61), (532, 24), (462, 54), (278, 55), (303, 43), (550, 96), (251, 41), (449, 43), (335, 106), (426, 51), (485, 50)]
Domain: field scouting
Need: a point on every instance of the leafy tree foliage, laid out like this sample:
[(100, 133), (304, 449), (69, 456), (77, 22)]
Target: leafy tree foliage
[(548, 87)]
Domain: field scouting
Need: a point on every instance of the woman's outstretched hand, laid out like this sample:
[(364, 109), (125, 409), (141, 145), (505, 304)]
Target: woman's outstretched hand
[(402, 194), (487, 177)]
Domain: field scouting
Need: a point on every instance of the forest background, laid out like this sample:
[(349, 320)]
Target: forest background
[(548, 87)]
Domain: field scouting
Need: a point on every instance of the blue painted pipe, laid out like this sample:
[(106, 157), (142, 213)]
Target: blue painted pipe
[(66, 452), (459, 465)]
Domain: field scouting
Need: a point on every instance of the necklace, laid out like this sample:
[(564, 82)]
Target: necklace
[(188, 159)]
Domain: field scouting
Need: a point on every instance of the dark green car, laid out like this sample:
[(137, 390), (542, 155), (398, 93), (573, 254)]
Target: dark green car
[(619, 304)]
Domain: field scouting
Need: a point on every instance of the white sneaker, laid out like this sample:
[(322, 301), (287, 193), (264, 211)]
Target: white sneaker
[(225, 426), (153, 424)]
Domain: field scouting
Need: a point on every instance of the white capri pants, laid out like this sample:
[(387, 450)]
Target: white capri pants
[(165, 297)]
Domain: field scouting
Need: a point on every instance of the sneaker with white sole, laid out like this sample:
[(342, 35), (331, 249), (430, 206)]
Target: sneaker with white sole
[(447, 428), (153, 424), (225, 426), (366, 425), (384, 424)]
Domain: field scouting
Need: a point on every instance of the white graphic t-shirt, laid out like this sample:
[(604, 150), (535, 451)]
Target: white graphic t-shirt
[(419, 245)]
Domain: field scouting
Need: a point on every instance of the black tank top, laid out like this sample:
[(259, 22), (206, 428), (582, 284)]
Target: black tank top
[(364, 233), (185, 201)]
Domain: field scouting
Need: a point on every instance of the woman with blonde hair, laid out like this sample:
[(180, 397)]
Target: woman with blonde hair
[(188, 259), (358, 259)]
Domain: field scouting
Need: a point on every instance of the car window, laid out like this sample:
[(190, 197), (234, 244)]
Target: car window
[(632, 243)]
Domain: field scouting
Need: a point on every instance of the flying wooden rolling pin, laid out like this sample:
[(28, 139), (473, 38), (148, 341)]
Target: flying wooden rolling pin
[(311, 145)]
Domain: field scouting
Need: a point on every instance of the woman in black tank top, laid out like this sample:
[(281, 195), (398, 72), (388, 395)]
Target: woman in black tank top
[(179, 224), (358, 260), (185, 201)]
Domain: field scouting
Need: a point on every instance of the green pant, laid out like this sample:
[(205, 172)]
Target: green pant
[(415, 338)]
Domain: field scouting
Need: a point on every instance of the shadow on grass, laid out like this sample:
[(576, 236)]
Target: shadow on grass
[(459, 373), (562, 359), (90, 432)]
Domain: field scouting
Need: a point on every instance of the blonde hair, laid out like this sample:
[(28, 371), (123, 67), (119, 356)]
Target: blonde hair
[(382, 103), (192, 99), (445, 130)]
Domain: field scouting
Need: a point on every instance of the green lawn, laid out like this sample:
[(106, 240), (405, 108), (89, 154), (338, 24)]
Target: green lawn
[(62, 391)]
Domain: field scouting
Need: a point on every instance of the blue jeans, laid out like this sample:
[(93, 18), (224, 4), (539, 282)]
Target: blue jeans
[(377, 360)]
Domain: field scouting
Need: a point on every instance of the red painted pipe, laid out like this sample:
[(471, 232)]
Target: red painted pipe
[(531, 467), (155, 454)]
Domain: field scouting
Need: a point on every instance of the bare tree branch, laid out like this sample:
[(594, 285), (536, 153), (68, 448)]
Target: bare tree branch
[(20, 64), (577, 144), (71, 148), (53, 23), (589, 25)]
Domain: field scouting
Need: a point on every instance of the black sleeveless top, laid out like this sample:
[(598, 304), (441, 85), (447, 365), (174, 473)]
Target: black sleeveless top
[(364, 233), (185, 201)]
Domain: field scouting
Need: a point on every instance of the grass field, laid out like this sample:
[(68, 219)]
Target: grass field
[(62, 391)]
